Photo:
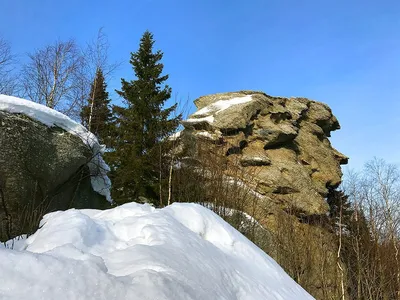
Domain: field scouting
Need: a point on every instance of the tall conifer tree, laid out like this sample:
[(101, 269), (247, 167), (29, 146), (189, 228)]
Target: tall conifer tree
[(96, 116), (142, 127)]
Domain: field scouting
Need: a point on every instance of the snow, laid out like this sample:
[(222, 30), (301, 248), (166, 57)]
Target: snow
[(49, 117), (206, 113), (175, 136), (258, 158), (209, 120), (134, 251), (206, 134), (221, 105), (226, 211)]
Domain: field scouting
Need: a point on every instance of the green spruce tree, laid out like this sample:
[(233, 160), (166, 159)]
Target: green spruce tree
[(96, 116), (142, 128), (339, 207)]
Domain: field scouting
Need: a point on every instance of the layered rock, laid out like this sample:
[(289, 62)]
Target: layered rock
[(281, 143), (271, 158)]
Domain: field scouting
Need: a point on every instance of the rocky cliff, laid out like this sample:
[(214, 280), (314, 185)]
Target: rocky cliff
[(271, 158), (281, 143)]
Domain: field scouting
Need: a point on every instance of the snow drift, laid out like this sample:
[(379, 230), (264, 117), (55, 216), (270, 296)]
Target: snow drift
[(135, 251)]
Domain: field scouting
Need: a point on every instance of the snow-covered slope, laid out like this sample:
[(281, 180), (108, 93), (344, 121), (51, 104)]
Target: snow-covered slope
[(47, 116), (134, 251)]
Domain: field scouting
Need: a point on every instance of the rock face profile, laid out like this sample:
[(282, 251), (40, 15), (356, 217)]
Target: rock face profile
[(42, 168), (281, 143), (269, 157)]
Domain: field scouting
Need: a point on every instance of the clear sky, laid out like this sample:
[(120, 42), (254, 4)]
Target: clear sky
[(345, 53)]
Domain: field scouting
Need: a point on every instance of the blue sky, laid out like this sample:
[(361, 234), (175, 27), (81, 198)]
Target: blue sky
[(343, 53)]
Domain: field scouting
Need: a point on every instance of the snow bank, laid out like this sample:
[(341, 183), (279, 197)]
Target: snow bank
[(229, 212), (98, 168), (134, 251)]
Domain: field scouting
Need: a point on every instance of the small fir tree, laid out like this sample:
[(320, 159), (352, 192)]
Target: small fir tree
[(339, 207), (96, 116)]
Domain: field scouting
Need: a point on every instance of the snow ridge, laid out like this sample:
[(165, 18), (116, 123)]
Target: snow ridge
[(137, 252)]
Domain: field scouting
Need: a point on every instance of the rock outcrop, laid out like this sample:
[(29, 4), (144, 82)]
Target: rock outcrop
[(277, 165), (281, 143), (42, 169)]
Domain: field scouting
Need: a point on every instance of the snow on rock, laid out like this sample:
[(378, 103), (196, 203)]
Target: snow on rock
[(206, 113), (206, 134), (221, 105), (47, 116), (134, 251), (209, 120), (175, 136)]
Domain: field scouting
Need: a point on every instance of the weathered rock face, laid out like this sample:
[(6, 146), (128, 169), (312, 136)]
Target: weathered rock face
[(281, 143), (42, 169), (274, 162)]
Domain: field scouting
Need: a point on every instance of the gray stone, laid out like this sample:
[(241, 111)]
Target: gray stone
[(42, 169)]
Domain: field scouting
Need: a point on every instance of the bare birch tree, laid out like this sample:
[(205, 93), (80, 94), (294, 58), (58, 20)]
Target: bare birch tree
[(7, 60), (96, 57), (53, 76), (372, 245), (384, 187)]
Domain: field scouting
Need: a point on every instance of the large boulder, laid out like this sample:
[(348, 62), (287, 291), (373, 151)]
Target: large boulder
[(282, 144), (275, 163), (42, 169)]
